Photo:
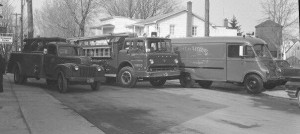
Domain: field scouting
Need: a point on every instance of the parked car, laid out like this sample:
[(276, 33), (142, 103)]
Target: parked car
[(287, 69)]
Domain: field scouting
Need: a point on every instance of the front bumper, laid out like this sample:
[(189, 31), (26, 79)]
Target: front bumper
[(277, 80), (85, 80), (159, 74)]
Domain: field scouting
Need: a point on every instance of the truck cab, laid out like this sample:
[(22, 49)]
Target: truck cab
[(135, 59)]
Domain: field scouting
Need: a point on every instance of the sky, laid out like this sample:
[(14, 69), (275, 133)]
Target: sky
[(247, 12)]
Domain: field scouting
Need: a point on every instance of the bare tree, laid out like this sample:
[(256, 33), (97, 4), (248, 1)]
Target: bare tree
[(139, 9), (66, 18), (283, 12), (6, 23)]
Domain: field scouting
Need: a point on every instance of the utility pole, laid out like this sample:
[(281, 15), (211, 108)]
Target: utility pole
[(206, 18), (21, 19), (30, 18), (16, 31)]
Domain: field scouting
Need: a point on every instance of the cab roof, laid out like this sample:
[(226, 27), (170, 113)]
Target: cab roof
[(235, 39)]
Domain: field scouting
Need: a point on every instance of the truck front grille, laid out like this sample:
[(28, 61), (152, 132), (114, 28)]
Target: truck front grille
[(87, 71)]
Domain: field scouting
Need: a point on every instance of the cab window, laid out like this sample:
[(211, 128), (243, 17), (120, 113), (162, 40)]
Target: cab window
[(51, 50), (128, 45), (233, 51)]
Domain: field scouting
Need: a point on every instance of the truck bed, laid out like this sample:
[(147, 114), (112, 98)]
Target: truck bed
[(28, 62)]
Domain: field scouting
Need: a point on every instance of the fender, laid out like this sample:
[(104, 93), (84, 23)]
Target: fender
[(254, 72), (65, 68), (125, 63)]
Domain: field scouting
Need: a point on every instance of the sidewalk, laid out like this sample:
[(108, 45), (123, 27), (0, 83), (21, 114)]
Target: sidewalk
[(30, 110)]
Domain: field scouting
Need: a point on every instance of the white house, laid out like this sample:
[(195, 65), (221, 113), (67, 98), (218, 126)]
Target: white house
[(114, 24), (182, 23)]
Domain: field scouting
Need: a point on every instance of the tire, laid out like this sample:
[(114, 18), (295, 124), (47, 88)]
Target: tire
[(205, 84), (62, 83), (253, 84), (269, 86), (158, 82), (186, 80), (298, 98), (96, 86), (126, 78), (18, 78)]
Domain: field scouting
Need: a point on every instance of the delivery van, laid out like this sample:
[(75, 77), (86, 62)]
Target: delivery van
[(243, 60)]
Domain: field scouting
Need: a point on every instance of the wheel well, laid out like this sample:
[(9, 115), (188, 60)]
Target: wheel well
[(250, 74), (124, 64)]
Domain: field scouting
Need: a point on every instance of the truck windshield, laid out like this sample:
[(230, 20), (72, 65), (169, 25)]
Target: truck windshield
[(262, 51), (159, 45), (69, 51)]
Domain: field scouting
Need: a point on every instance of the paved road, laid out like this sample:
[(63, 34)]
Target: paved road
[(146, 110)]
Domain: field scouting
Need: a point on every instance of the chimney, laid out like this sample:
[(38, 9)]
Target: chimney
[(226, 22), (189, 20)]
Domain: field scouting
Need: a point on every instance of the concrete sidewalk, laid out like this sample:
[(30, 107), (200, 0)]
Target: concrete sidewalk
[(30, 110)]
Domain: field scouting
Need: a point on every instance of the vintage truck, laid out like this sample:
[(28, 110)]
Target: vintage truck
[(55, 60), (128, 59), (242, 60)]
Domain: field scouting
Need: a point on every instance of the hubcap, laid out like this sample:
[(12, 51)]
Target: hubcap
[(126, 77), (60, 86), (16, 76), (252, 84)]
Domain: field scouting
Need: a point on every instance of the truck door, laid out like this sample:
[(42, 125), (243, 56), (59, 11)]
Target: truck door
[(50, 60), (235, 62), (124, 52)]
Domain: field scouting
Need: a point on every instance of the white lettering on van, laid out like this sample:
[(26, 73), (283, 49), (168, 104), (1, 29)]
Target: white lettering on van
[(199, 50)]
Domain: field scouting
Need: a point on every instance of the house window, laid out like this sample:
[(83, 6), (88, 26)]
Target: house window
[(194, 31), (172, 27)]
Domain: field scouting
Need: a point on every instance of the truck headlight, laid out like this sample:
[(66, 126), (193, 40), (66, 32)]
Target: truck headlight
[(176, 61), (99, 68), (151, 61), (76, 68)]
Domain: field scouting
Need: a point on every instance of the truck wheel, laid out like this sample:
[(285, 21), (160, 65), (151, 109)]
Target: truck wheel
[(18, 78), (186, 80), (158, 82), (96, 85), (126, 77), (205, 84), (62, 83), (269, 85), (253, 84)]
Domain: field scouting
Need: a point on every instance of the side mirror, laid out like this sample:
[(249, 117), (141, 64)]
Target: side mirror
[(45, 51)]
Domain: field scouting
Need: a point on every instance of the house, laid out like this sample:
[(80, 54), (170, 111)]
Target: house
[(182, 23), (114, 24), (270, 32), (292, 52)]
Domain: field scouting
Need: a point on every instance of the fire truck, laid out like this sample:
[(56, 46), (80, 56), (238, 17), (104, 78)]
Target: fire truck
[(128, 59)]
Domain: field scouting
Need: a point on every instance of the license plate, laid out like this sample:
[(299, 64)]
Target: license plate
[(90, 80)]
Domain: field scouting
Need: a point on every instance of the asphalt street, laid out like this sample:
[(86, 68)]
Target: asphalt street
[(225, 108)]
